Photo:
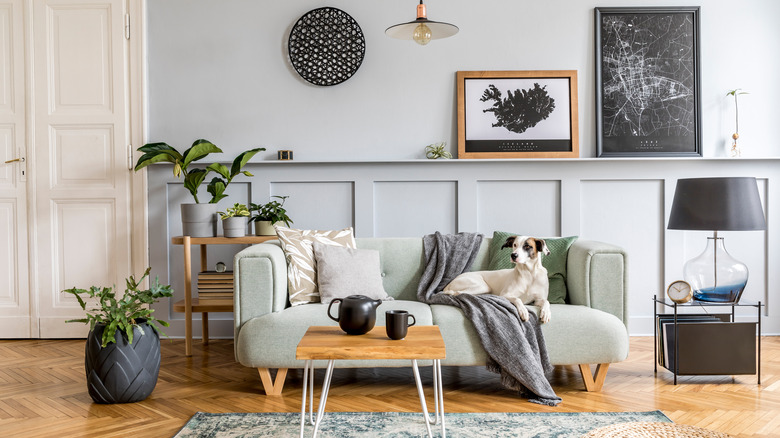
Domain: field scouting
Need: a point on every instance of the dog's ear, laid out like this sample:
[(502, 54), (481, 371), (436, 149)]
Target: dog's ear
[(541, 246), (509, 242)]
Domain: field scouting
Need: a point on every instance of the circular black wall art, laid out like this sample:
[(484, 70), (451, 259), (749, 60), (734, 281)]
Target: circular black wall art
[(326, 46)]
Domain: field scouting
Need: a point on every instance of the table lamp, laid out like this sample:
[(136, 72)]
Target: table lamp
[(717, 204)]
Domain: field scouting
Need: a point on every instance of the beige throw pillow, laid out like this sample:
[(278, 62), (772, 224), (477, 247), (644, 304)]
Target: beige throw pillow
[(342, 272), (301, 265)]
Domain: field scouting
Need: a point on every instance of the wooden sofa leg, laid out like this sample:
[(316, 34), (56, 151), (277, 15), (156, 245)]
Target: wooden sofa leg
[(272, 387), (594, 382)]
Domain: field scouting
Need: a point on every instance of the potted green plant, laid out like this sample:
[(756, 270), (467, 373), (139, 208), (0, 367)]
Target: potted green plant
[(219, 183), (234, 220), (268, 215), (198, 220), (123, 346)]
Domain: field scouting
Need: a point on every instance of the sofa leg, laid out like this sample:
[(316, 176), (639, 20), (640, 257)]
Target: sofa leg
[(272, 387), (594, 382)]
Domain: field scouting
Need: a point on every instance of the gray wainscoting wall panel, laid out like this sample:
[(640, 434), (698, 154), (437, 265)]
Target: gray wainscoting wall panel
[(318, 205), (625, 201), (530, 208), (415, 208), (629, 214)]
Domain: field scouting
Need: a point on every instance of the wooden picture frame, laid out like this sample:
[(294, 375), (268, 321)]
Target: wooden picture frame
[(518, 114), (648, 82)]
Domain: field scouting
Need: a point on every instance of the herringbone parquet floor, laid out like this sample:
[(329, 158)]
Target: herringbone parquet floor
[(43, 392)]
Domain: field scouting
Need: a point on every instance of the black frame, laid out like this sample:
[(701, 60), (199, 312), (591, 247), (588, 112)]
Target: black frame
[(629, 142)]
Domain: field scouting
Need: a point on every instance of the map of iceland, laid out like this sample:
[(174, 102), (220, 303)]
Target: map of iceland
[(648, 75)]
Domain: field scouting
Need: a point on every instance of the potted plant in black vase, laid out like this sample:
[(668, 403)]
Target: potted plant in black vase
[(122, 353), (234, 220), (268, 215)]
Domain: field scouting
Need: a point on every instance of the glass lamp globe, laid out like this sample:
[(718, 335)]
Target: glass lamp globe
[(715, 275)]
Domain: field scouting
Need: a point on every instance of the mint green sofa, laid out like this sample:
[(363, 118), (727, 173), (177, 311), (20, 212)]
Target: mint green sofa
[(591, 329)]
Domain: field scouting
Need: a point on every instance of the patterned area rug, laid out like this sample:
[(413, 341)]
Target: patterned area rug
[(402, 424)]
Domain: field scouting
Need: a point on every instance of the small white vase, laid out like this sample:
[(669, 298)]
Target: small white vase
[(264, 228)]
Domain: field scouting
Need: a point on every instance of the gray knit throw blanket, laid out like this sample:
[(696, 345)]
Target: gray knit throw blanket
[(516, 349)]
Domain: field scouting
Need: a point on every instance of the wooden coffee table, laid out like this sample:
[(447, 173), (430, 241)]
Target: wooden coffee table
[(331, 344)]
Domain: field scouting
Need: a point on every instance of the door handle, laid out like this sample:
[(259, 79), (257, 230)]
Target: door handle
[(21, 160)]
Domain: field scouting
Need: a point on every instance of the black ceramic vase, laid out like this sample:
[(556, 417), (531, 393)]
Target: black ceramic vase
[(121, 372)]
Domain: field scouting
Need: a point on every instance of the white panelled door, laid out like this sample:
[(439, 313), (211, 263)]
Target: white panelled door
[(82, 180), (15, 320), (65, 169)]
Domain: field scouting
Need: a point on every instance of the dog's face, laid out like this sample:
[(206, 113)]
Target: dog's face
[(525, 248)]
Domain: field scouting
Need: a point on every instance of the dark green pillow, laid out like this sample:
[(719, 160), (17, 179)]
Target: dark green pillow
[(555, 263)]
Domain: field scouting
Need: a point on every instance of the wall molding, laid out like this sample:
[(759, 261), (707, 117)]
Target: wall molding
[(625, 201)]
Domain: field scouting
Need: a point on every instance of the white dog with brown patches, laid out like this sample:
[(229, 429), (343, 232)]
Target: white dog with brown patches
[(526, 283)]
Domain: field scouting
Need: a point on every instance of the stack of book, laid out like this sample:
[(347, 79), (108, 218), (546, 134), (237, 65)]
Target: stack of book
[(213, 286)]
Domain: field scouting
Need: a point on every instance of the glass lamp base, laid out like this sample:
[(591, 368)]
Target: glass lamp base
[(714, 275)]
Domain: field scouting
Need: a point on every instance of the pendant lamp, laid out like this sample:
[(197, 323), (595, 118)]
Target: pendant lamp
[(422, 30)]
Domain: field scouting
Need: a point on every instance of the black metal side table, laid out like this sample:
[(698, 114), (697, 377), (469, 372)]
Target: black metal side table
[(688, 343)]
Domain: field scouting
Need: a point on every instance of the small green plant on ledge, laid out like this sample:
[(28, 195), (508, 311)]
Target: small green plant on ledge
[(237, 210), (125, 313), (436, 150), (272, 211)]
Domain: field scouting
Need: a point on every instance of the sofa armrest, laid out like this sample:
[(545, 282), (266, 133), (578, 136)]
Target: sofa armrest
[(260, 282), (597, 277)]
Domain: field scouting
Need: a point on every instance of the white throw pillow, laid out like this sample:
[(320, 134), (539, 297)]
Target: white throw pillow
[(301, 265), (343, 271)]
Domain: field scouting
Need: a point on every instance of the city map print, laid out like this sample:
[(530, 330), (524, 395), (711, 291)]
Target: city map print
[(648, 83)]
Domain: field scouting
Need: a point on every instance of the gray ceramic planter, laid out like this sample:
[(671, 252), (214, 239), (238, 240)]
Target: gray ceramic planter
[(234, 226), (199, 220)]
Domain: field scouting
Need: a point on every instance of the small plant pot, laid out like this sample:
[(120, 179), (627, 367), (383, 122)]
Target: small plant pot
[(199, 220), (264, 228), (234, 226)]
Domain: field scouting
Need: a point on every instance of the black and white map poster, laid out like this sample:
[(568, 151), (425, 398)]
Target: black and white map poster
[(647, 72)]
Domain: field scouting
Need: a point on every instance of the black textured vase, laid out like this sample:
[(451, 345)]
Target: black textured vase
[(121, 372)]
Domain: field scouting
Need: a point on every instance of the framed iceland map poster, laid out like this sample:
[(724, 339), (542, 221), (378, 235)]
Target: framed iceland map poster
[(648, 98), (517, 114)]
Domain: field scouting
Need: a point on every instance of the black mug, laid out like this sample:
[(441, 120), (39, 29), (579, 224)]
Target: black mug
[(397, 323)]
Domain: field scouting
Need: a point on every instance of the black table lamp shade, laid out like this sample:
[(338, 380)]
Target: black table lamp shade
[(717, 204)]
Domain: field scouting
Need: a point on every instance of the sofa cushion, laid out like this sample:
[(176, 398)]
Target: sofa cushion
[(555, 262), (580, 334), (343, 271), (269, 341), (301, 266), (574, 335)]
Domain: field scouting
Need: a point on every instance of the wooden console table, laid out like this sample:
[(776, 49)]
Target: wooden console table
[(188, 304)]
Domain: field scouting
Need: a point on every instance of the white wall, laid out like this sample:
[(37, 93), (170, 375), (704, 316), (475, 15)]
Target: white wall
[(218, 69)]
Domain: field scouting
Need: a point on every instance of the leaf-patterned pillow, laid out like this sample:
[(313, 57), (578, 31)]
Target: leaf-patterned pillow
[(301, 265)]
